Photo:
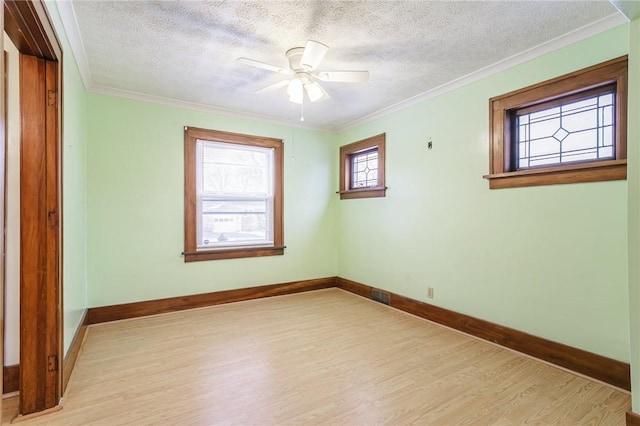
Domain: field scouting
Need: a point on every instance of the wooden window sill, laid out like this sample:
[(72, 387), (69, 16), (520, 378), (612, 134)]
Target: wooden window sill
[(363, 193), (573, 173), (235, 253)]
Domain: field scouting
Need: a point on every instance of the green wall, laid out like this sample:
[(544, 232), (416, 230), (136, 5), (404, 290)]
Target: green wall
[(136, 214), (633, 178), (550, 261), (74, 182)]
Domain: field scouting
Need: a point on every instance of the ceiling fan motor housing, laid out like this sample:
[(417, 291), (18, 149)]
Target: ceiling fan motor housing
[(294, 55)]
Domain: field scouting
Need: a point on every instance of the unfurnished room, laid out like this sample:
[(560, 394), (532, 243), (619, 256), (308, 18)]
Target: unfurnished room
[(320, 212)]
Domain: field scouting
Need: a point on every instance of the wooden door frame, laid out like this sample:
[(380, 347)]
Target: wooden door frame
[(28, 25), (3, 197)]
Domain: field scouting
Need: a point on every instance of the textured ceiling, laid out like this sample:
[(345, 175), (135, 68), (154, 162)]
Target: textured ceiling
[(186, 50)]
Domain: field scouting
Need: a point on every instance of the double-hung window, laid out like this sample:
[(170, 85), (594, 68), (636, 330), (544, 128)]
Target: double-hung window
[(233, 195)]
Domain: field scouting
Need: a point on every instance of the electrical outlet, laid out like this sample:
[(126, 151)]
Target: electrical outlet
[(430, 292)]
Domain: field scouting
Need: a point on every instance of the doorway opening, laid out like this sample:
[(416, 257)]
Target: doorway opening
[(29, 27)]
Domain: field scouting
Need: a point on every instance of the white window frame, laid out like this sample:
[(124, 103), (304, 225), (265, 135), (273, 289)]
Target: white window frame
[(202, 197)]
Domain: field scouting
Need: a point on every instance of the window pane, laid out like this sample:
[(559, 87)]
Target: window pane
[(234, 169), (581, 130), (364, 166), (235, 195), (233, 222)]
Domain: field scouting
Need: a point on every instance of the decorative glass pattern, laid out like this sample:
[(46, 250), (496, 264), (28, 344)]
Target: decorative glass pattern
[(577, 130), (364, 169)]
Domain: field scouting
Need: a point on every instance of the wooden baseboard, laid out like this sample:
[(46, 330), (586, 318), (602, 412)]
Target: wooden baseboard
[(608, 370), (599, 367), (11, 373), (633, 419), (11, 378), (162, 306), (72, 354), (24, 417)]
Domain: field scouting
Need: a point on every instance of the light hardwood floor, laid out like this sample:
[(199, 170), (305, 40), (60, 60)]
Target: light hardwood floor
[(322, 357)]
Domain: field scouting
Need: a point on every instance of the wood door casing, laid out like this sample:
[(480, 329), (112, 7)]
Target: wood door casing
[(39, 250), (29, 26), (3, 192)]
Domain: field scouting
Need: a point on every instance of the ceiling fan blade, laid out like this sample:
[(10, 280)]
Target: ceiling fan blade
[(313, 54), (264, 66), (344, 76), (274, 86)]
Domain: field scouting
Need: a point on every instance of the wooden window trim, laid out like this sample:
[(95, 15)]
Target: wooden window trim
[(502, 173), (191, 254), (346, 152)]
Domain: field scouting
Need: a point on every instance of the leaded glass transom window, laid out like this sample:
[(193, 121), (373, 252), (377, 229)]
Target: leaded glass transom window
[(364, 169), (569, 129), (573, 129)]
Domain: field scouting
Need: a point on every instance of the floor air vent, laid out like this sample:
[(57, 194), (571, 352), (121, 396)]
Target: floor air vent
[(380, 296)]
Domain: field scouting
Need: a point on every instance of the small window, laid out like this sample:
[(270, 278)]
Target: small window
[(566, 130), (233, 195), (362, 168)]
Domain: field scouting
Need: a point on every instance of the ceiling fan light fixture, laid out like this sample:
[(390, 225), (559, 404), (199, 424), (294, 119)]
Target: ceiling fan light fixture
[(314, 91), (295, 90)]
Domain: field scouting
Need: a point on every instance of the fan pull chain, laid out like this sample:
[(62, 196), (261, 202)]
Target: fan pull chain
[(302, 111)]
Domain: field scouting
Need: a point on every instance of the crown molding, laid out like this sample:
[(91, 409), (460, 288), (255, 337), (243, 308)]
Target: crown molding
[(631, 9), (143, 97), (70, 24), (606, 23)]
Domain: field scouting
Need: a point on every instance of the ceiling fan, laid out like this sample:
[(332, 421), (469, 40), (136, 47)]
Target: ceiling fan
[(303, 62)]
